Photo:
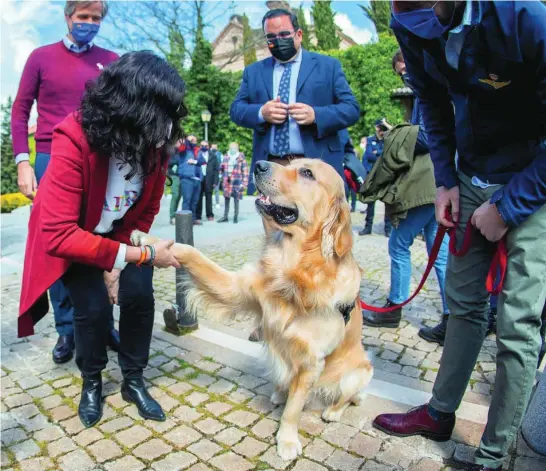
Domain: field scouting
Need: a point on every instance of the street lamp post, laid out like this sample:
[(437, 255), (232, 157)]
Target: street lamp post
[(205, 116)]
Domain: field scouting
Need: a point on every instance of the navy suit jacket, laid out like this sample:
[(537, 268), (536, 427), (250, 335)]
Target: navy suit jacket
[(322, 85)]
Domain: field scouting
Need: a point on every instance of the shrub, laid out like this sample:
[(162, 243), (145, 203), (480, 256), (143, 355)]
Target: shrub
[(13, 201)]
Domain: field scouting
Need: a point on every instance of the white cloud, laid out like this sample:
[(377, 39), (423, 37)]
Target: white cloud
[(359, 35)]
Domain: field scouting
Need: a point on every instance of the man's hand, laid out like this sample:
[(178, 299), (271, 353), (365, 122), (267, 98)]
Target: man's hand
[(303, 114), (111, 280), (26, 179), (447, 199), (489, 221), (275, 111)]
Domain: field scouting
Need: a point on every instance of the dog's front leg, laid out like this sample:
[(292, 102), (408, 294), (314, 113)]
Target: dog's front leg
[(288, 442)]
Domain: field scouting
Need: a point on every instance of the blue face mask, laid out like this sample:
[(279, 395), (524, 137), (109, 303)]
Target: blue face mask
[(84, 33), (423, 23)]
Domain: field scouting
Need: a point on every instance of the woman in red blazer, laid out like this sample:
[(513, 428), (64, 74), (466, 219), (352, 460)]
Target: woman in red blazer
[(105, 179)]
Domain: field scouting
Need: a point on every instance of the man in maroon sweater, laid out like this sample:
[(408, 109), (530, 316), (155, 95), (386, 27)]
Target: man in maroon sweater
[(55, 76)]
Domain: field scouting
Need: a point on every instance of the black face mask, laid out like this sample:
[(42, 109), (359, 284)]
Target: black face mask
[(283, 49)]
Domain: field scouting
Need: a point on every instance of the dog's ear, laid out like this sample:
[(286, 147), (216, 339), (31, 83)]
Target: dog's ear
[(337, 235)]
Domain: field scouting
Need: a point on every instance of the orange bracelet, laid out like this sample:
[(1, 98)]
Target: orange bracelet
[(143, 256)]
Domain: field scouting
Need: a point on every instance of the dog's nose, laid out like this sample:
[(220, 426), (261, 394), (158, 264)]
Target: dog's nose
[(262, 166)]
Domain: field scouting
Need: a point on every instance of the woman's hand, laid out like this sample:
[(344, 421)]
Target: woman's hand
[(111, 280), (164, 258)]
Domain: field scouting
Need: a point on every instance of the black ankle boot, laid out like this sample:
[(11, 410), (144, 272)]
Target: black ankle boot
[(383, 319), (236, 219), (492, 322), (224, 219), (134, 390), (436, 334), (366, 231), (90, 408)]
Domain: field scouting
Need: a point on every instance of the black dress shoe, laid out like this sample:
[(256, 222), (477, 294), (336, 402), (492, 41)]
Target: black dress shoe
[(64, 349), (113, 340), (134, 390), (383, 319), (90, 408), (436, 334), (224, 219), (491, 322), (366, 231)]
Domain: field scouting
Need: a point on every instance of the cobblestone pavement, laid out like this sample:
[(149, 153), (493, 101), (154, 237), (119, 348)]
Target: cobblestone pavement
[(220, 418)]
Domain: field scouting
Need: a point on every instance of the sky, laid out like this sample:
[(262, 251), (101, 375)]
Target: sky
[(26, 25)]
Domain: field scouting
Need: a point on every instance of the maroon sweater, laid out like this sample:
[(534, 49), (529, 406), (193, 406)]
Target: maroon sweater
[(55, 77)]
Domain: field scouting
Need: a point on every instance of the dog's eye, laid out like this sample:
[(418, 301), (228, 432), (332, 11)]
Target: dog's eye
[(306, 173)]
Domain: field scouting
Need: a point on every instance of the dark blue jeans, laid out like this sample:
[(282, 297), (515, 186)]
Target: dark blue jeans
[(93, 312), (63, 310), (191, 189)]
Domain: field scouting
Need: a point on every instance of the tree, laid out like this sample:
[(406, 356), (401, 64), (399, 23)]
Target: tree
[(379, 13), (9, 169), (324, 25), (249, 48), (306, 42), (369, 72)]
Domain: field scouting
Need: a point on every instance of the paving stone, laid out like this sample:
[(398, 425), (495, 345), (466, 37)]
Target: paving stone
[(232, 435), (60, 447), (168, 403), (196, 398), (274, 460), (388, 337), (374, 466), (133, 436), (51, 402), (88, 436), (72, 391), (481, 388), (311, 423), (61, 413), (432, 365), (204, 449), (249, 381), (488, 366), (158, 360), (218, 408), (388, 355), (127, 463), (250, 447), (186, 414), (430, 376), (209, 426), (116, 424), (73, 426), (339, 434), (228, 373), (318, 450), (242, 418), (203, 380), (161, 427), (441, 449), (152, 449), (411, 372), (364, 445), (261, 404), (221, 386), (179, 389), (425, 346), (342, 461), (105, 450), (24, 450), (306, 465), (208, 365), (61, 383), (4, 461), (77, 460), (28, 382), (408, 360), (13, 435), (17, 400), (200, 467), (398, 454), (524, 463), (163, 381), (231, 462), (42, 391), (175, 462), (464, 453), (151, 373), (171, 366), (37, 464), (427, 464), (182, 436), (241, 395)]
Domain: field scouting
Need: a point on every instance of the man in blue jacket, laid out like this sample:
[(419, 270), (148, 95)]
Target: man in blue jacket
[(296, 101), (478, 68), (190, 173)]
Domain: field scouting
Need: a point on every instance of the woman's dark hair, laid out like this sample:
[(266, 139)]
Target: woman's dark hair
[(126, 113)]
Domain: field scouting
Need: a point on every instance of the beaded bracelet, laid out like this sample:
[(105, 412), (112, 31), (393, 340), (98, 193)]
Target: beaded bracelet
[(152, 254)]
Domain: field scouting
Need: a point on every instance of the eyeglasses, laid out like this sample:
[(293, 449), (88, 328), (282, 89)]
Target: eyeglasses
[(282, 35)]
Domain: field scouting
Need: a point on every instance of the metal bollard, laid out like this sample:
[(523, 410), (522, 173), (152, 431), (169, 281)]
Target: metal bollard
[(177, 320)]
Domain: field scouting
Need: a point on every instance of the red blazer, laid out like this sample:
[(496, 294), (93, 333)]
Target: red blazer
[(66, 210)]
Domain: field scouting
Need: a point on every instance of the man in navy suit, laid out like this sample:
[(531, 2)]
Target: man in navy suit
[(296, 101)]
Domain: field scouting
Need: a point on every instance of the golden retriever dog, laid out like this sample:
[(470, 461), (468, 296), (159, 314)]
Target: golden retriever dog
[(304, 291)]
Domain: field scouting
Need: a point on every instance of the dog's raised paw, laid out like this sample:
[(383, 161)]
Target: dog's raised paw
[(332, 415), (288, 448), (138, 238)]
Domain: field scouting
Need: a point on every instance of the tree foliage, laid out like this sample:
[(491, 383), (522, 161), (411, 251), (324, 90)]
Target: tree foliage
[(249, 48), (324, 25), (9, 169), (369, 73), (306, 42), (379, 13)]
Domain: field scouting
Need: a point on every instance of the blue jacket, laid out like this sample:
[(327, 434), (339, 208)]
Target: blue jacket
[(499, 94), (374, 149), (187, 170), (421, 146), (322, 85)]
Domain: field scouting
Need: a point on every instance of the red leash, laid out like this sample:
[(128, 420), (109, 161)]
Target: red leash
[(498, 264)]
